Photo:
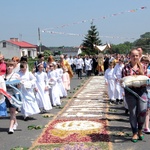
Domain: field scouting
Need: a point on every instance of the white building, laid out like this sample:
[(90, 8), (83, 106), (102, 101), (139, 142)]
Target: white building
[(14, 47)]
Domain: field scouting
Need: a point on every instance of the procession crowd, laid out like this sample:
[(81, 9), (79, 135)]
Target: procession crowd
[(136, 98), (32, 92), (40, 89)]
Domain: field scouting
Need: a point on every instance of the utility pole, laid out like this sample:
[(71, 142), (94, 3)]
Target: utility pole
[(39, 37)]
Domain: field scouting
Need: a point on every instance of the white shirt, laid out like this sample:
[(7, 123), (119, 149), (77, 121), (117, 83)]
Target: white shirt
[(79, 63)]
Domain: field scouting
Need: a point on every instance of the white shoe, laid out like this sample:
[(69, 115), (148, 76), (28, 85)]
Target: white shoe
[(11, 131), (15, 126), (146, 131)]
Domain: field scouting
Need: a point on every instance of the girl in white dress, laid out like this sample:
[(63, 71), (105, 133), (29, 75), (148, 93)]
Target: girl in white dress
[(17, 64), (63, 92), (118, 75), (54, 90), (42, 89), (66, 79), (30, 106), (110, 82)]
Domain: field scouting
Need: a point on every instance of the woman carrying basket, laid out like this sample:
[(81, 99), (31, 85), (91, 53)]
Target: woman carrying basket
[(137, 107)]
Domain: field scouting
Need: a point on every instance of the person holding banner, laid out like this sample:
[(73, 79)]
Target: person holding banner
[(137, 107), (9, 76)]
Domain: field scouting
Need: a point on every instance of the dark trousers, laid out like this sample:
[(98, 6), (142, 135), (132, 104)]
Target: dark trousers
[(79, 72), (137, 108)]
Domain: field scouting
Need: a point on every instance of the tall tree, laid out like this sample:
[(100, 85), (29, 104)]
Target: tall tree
[(91, 38)]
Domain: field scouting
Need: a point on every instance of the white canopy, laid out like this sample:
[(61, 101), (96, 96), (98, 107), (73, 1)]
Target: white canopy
[(79, 51), (102, 47)]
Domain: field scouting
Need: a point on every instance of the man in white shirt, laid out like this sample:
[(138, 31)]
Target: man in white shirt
[(79, 66), (70, 61), (88, 65)]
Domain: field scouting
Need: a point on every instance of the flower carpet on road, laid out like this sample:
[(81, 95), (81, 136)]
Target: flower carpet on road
[(81, 122)]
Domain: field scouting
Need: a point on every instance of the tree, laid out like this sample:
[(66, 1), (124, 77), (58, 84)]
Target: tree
[(122, 48), (90, 39), (143, 41)]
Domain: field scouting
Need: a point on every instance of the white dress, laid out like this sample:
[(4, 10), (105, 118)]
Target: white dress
[(42, 96), (66, 81), (118, 75), (63, 92), (109, 78), (30, 106), (54, 90)]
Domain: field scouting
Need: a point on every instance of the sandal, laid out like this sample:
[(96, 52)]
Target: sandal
[(141, 137), (134, 140)]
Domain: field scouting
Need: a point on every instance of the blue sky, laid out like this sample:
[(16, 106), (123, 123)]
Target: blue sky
[(21, 19)]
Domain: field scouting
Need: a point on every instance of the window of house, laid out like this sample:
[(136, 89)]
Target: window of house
[(23, 53), (4, 44)]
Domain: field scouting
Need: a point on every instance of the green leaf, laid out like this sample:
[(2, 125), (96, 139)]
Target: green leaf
[(31, 127)]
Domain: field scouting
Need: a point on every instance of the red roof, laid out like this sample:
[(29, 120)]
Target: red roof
[(23, 44)]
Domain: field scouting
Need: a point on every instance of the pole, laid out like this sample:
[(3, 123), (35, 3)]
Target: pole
[(39, 37)]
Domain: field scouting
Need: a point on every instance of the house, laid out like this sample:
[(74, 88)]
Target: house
[(14, 47)]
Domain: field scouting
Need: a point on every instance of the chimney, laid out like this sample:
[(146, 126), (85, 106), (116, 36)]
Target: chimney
[(14, 39)]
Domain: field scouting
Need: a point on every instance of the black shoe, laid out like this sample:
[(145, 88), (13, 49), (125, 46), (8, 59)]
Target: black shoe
[(111, 102), (121, 101), (126, 111), (26, 118), (117, 101)]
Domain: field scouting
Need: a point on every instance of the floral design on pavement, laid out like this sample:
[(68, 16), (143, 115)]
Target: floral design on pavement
[(82, 121), (65, 131)]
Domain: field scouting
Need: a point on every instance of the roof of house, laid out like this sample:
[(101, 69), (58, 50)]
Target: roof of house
[(22, 44)]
